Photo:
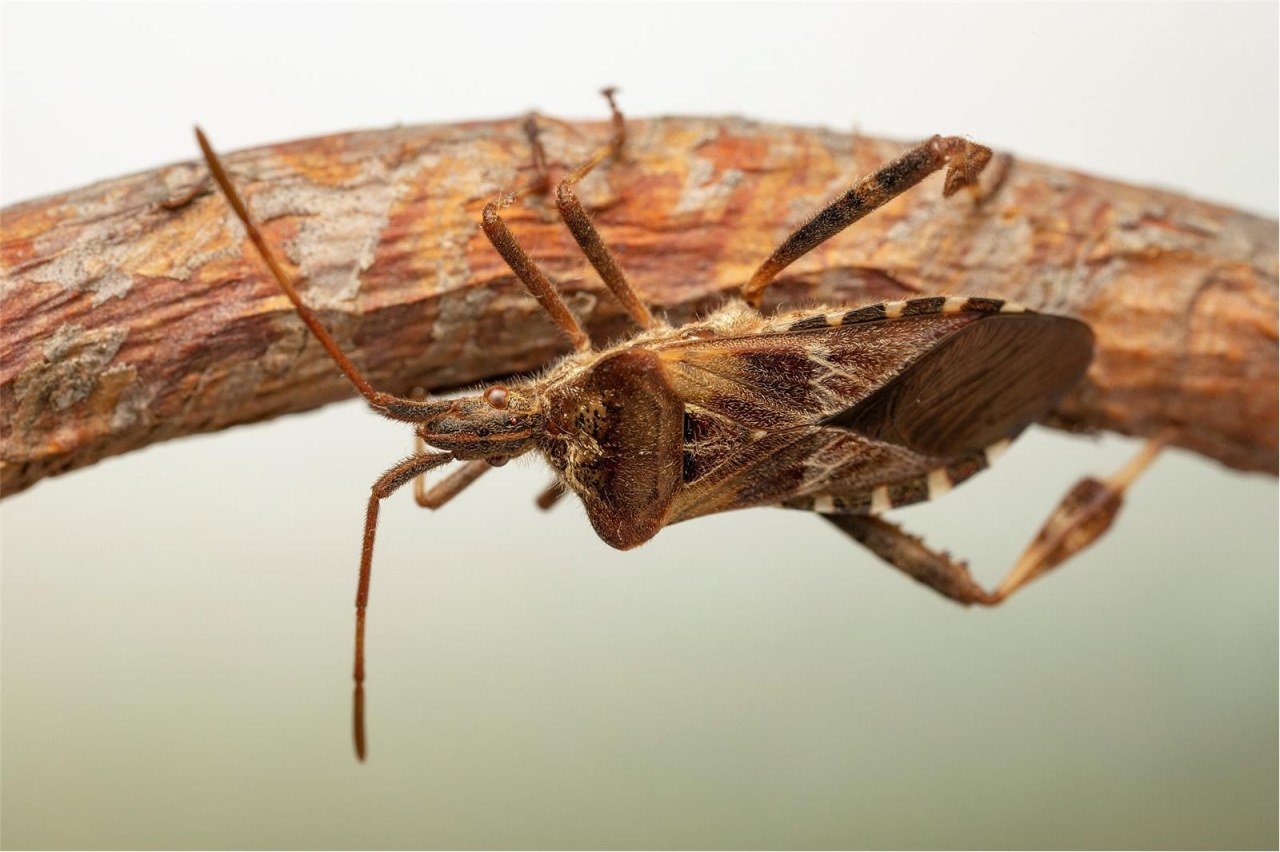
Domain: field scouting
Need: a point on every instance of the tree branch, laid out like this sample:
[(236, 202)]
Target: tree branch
[(134, 310)]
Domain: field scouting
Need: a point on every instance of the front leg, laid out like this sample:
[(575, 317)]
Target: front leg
[(1084, 514)]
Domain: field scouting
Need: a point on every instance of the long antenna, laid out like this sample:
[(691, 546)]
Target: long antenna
[(395, 407)]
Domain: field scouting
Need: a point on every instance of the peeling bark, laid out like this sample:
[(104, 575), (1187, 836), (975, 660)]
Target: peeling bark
[(134, 310)]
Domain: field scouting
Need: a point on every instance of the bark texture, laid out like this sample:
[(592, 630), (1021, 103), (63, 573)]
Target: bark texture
[(134, 310)]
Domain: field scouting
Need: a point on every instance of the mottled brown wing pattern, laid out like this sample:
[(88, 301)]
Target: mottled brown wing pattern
[(862, 410), (792, 465), (795, 378), (983, 383)]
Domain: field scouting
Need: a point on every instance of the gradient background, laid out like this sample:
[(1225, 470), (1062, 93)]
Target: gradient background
[(176, 622)]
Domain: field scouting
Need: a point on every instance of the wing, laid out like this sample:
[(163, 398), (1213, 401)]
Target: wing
[(841, 415), (987, 381), (794, 468), (920, 375), (801, 377)]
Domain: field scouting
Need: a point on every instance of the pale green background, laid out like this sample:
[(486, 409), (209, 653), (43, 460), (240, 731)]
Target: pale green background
[(176, 622)]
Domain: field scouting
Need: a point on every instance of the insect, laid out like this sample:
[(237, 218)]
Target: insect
[(841, 411)]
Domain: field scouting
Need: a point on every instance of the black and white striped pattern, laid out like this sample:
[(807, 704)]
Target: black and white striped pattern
[(909, 308)]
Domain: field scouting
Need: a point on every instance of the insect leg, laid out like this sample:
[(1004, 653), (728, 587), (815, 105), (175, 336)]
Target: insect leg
[(397, 408), (964, 161), (913, 557), (579, 223), (534, 279), (382, 489), (449, 487), (551, 495), (1084, 514), (542, 174)]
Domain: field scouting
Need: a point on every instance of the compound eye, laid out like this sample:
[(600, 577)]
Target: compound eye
[(496, 396)]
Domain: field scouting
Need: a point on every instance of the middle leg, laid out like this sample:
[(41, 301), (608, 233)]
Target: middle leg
[(524, 266), (586, 235), (551, 495)]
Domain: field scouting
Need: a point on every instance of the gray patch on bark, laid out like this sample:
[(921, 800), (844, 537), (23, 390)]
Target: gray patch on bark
[(134, 403), (73, 364), (339, 227), (704, 192)]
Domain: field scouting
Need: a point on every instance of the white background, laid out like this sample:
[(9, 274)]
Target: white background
[(176, 621)]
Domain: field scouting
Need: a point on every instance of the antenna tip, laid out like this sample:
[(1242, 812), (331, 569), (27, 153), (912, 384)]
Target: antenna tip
[(358, 720)]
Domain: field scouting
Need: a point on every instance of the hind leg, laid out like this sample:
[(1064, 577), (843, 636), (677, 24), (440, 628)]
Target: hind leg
[(964, 161), (1084, 514)]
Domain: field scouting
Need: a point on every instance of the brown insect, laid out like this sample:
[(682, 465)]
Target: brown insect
[(842, 411)]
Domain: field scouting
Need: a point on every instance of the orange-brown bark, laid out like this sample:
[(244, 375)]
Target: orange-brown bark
[(135, 310)]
